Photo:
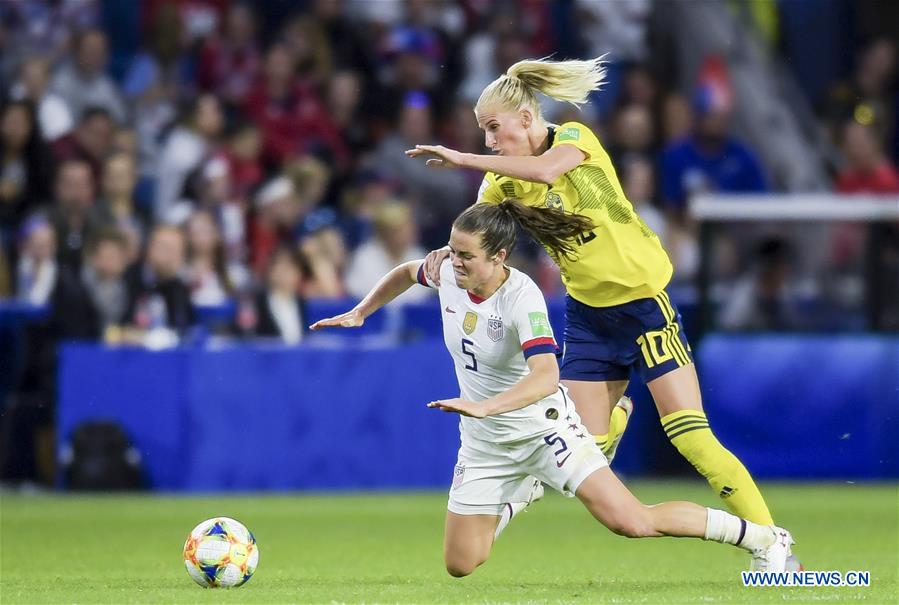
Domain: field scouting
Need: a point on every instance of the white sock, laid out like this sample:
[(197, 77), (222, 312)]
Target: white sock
[(728, 529), (510, 510)]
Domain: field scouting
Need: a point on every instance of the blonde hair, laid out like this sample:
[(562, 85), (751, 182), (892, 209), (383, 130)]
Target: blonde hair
[(569, 81)]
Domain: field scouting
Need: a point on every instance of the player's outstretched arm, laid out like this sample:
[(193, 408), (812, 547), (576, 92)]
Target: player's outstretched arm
[(400, 279), (544, 168), (541, 382)]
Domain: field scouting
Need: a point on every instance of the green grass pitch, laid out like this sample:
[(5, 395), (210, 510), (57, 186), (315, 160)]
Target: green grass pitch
[(376, 548)]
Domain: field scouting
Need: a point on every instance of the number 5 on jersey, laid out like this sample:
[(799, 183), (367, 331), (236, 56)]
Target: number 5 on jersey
[(474, 362)]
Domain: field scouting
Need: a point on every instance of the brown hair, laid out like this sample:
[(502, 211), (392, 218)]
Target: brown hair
[(497, 224)]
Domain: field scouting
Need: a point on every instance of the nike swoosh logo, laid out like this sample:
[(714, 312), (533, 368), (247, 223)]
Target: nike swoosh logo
[(561, 462), (448, 310)]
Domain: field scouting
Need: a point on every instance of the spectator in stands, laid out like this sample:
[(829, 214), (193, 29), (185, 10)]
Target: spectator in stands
[(184, 150), (161, 297), (116, 205), (163, 64), (462, 133), (395, 242), (291, 115), (326, 256), (504, 42), (278, 211), (870, 97), (93, 303), (37, 269), (367, 191), (25, 165), (83, 82), (867, 169), (229, 64), (215, 195), (762, 299), (710, 159), (677, 119), (212, 279), (309, 50), (242, 154), (156, 79), (619, 29), (90, 142), (634, 133), (410, 59), (279, 310), (638, 179), (345, 100), (53, 114), (71, 214), (444, 191)]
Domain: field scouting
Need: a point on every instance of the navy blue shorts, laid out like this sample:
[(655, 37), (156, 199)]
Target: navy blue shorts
[(606, 343)]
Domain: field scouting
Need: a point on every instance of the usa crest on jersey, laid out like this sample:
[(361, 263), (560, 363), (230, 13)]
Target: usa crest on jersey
[(495, 329)]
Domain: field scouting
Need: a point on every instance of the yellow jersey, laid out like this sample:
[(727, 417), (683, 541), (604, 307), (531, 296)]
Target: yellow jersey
[(620, 260)]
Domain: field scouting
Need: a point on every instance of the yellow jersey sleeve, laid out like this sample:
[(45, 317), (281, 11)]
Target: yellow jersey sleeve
[(575, 133)]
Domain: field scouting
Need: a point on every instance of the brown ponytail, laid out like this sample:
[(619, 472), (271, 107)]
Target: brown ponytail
[(498, 225)]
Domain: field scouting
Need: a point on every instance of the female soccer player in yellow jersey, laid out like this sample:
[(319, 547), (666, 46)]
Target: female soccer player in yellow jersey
[(619, 317)]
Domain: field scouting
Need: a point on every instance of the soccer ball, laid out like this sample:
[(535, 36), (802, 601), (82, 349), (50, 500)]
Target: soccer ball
[(220, 553)]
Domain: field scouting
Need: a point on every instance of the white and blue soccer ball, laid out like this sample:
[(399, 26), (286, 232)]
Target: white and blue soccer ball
[(221, 553)]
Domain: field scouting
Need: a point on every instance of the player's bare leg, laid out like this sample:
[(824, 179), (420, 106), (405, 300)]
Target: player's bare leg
[(595, 402), (613, 505), (467, 542)]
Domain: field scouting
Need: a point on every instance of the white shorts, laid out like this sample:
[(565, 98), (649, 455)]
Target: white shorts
[(490, 475)]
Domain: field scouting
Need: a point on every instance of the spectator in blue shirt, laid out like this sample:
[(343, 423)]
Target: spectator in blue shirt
[(710, 159)]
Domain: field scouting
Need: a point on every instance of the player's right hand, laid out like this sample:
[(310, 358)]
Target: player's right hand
[(433, 261), (350, 319)]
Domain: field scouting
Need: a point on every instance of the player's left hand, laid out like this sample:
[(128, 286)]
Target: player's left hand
[(350, 319), (446, 157), (459, 406)]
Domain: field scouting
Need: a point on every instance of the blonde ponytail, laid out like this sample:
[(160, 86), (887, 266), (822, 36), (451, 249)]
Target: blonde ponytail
[(569, 81)]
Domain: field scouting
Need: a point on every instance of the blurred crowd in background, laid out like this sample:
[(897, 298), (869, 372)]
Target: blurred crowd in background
[(165, 155), (162, 158)]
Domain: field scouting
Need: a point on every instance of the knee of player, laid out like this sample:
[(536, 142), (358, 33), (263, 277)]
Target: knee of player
[(460, 569)]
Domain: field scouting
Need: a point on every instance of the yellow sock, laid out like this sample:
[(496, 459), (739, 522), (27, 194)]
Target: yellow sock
[(617, 424), (608, 442), (689, 432)]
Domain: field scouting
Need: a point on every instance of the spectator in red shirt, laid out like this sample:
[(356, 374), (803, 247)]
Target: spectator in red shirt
[(229, 65), (242, 153), (291, 115), (867, 168), (90, 142)]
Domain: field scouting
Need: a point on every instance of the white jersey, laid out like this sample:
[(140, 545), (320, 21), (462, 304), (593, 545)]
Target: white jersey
[(490, 341)]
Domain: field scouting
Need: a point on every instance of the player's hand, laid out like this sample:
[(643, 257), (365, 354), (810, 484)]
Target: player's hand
[(350, 319), (459, 406), (433, 261), (446, 157)]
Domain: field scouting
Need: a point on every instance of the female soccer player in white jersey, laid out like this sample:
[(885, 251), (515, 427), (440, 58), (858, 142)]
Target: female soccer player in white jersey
[(519, 426)]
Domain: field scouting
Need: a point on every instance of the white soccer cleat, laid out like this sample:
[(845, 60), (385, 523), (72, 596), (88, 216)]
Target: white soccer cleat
[(627, 405), (774, 556)]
